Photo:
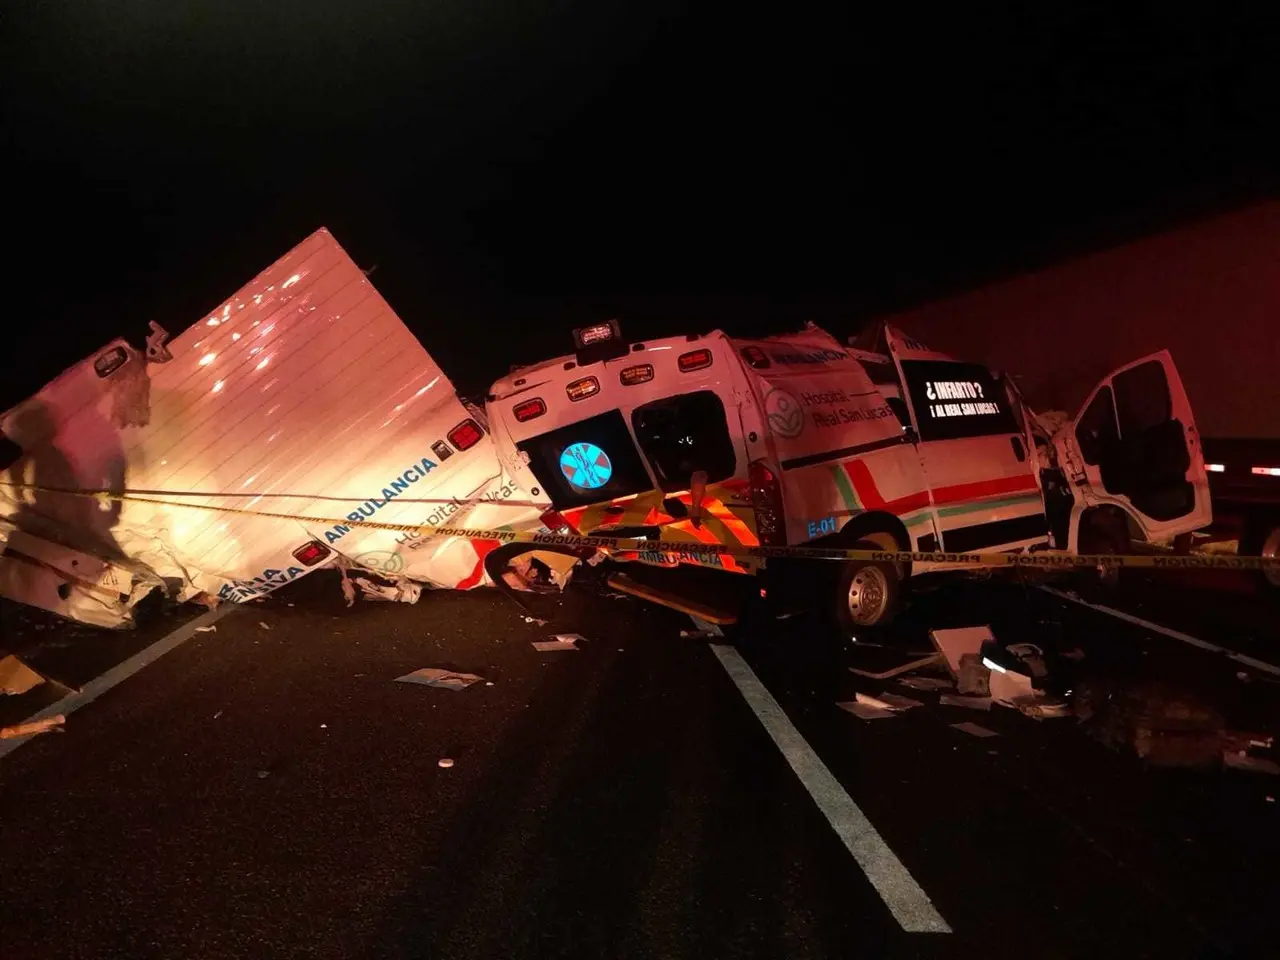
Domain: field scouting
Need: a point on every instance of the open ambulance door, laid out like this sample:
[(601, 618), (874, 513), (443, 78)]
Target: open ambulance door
[(1135, 446)]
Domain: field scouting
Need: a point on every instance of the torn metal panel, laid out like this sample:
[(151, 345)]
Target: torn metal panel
[(303, 394)]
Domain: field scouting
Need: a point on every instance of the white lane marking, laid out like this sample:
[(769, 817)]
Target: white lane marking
[(1169, 632), (908, 903), (119, 673)]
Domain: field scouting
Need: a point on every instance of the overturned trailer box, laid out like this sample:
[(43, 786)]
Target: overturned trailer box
[(302, 395)]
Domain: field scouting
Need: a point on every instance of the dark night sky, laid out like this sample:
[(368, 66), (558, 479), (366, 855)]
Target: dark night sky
[(516, 169)]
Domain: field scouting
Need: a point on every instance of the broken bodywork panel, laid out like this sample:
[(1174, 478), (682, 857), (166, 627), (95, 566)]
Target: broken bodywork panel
[(303, 394)]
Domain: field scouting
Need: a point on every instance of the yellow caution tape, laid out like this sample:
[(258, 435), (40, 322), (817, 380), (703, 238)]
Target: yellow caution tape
[(1041, 559)]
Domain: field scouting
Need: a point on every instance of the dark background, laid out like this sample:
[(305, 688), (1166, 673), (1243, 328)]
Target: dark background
[(516, 169)]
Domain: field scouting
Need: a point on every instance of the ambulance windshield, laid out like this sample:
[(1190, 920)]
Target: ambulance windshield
[(682, 434), (590, 461)]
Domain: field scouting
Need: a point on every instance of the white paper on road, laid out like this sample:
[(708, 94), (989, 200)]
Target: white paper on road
[(908, 903), (16, 677)]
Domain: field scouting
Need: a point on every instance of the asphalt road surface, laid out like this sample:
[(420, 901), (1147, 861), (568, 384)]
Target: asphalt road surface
[(268, 790)]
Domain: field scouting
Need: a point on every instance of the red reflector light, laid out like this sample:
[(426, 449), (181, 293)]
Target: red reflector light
[(311, 553), (766, 500), (597, 334), (581, 389), (465, 435), (695, 360), (554, 521), (1267, 471), (756, 358), (528, 409), (640, 373)]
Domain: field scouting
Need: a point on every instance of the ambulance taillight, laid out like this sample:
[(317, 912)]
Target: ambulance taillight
[(311, 553), (766, 501), (528, 409), (583, 388), (465, 435), (695, 360), (639, 373)]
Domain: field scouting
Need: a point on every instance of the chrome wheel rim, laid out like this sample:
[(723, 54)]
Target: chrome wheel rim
[(1271, 548), (868, 596)]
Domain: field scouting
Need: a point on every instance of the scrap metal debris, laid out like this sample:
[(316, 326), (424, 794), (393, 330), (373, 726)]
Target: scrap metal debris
[(907, 667), (952, 645), (54, 724), (436, 677), (925, 683)]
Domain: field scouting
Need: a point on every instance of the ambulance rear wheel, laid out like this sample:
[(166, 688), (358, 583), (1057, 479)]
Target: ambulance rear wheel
[(867, 594)]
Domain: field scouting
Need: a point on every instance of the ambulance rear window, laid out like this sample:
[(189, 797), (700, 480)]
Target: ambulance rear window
[(590, 461), (685, 433)]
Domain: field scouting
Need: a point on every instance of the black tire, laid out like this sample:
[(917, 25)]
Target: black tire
[(1105, 534), (867, 594), (1262, 539)]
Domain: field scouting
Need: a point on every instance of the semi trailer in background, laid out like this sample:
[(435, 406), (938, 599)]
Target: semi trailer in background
[(1208, 292)]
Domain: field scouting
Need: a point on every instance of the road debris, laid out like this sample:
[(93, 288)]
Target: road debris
[(397, 591), (897, 701), (264, 625), (209, 629), (954, 644), (444, 763), (973, 678), (911, 665), (541, 623), (54, 724), (866, 711), (1043, 709), (561, 641), (972, 703), (16, 677), (926, 683), (436, 677), (974, 729)]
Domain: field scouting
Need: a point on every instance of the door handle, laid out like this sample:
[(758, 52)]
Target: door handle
[(1019, 450)]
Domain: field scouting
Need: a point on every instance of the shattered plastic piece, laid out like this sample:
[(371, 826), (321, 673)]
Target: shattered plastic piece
[(926, 683), (32, 727), (867, 700), (264, 625), (973, 703), (974, 729), (953, 644), (866, 711), (541, 623), (209, 629), (16, 677), (402, 591), (444, 763), (348, 588), (435, 677), (897, 701)]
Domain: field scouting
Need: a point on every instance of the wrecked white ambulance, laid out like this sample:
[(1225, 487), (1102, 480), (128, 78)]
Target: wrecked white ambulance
[(798, 440), (303, 394)]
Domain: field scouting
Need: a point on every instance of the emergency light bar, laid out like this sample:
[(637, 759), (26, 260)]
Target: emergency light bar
[(694, 360), (528, 409), (602, 341)]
